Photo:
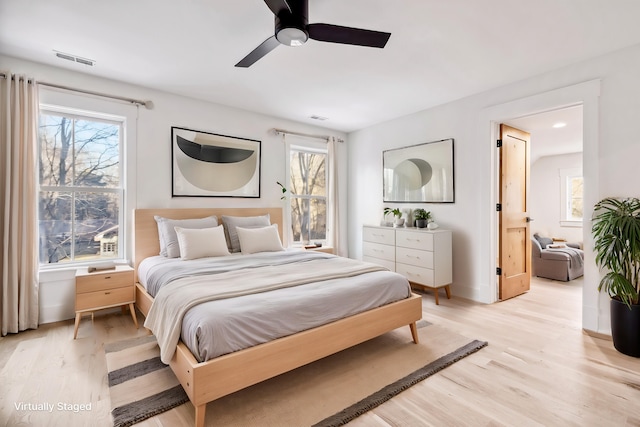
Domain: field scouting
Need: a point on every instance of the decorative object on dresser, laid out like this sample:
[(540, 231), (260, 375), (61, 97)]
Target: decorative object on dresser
[(104, 289), (397, 213), (419, 173), (206, 164), (422, 217), (424, 257)]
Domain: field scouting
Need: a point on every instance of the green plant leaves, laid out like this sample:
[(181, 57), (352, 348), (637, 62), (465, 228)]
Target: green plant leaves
[(616, 231)]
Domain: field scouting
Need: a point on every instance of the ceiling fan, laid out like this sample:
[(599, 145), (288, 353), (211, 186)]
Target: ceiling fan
[(292, 28)]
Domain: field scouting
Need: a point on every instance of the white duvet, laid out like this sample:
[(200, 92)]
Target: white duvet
[(261, 297)]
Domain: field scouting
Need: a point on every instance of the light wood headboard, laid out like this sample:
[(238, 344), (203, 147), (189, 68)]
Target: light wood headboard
[(145, 229)]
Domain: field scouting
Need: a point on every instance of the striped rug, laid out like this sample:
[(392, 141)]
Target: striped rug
[(140, 385), (327, 393)]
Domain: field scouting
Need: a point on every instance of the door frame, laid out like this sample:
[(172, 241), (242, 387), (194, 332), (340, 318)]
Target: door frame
[(586, 94)]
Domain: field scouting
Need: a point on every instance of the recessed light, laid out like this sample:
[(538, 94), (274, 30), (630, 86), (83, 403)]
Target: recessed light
[(559, 125)]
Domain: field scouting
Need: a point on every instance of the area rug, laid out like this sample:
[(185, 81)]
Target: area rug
[(328, 392)]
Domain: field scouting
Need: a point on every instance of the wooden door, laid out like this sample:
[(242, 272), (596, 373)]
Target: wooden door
[(514, 240)]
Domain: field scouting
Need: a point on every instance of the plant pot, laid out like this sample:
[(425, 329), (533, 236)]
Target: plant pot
[(399, 222), (421, 223), (625, 328)]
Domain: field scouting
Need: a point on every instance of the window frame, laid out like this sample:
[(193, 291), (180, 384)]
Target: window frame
[(307, 147), (74, 105), (565, 198)]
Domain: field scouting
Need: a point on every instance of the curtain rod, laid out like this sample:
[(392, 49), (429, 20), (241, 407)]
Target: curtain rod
[(287, 132), (147, 104)]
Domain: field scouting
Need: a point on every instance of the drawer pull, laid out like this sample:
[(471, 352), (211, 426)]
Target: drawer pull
[(412, 256), (107, 277), (107, 293)]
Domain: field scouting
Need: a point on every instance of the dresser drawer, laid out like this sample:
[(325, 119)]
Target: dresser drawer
[(419, 275), (104, 298), (414, 239), (383, 262), (103, 281), (377, 250), (414, 257), (386, 236)]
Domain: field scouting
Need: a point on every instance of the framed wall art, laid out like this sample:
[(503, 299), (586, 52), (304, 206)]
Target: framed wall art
[(419, 173), (206, 164)]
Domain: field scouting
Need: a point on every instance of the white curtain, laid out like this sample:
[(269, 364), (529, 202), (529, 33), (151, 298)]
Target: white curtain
[(333, 217), (18, 236)]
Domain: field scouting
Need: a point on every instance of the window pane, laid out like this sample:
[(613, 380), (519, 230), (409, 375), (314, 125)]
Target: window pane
[(56, 154), (576, 204), (97, 155), (55, 226), (308, 175), (96, 234), (308, 219)]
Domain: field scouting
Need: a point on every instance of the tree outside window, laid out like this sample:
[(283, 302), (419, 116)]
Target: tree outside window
[(308, 188), (81, 189)]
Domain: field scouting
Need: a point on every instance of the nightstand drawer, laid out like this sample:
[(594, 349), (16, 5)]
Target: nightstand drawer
[(414, 257), (419, 275), (104, 298), (414, 239), (103, 281)]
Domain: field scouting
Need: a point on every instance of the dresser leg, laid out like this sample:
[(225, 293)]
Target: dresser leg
[(75, 330), (448, 291), (435, 292)]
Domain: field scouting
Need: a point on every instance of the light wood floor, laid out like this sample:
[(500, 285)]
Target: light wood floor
[(539, 369)]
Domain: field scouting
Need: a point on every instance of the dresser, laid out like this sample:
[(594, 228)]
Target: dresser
[(104, 289), (422, 256)]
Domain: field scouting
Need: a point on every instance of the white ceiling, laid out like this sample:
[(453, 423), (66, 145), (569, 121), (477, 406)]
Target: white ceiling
[(439, 50), (547, 140)]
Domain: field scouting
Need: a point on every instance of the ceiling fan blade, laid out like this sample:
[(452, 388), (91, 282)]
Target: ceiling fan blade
[(265, 47), (347, 35), (278, 6)]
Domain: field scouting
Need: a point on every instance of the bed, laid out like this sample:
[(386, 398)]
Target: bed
[(219, 376)]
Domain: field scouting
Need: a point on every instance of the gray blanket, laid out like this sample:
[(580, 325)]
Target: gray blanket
[(575, 255)]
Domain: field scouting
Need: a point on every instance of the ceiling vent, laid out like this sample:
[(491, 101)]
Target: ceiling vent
[(74, 58)]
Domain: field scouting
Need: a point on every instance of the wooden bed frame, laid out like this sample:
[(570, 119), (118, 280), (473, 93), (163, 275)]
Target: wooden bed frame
[(210, 380)]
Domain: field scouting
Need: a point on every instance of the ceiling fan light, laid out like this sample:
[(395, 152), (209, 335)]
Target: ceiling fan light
[(292, 36)]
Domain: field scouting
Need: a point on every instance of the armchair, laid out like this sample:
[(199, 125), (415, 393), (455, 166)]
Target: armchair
[(563, 264)]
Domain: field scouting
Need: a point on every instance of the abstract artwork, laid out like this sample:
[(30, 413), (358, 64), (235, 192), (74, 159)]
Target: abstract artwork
[(419, 173), (207, 164)]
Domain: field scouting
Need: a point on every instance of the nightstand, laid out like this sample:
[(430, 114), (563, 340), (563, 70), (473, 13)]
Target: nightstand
[(104, 289)]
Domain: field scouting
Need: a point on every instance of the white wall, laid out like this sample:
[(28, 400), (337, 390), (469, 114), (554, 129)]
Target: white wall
[(610, 170), (546, 196), (152, 180)]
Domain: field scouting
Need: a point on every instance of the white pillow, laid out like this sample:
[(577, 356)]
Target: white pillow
[(200, 243), (231, 222), (167, 234), (264, 239)]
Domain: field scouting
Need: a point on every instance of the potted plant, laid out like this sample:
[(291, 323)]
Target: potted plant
[(616, 231), (422, 217), (399, 221)]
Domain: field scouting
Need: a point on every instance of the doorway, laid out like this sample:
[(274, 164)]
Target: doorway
[(555, 188), (586, 94)]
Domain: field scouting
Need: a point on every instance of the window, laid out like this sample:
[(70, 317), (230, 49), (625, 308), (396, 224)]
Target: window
[(80, 200), (571, 197), (308, 194)]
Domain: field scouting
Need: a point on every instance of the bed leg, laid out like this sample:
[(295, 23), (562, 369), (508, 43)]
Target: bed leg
[(200, 413), (414, 332)]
